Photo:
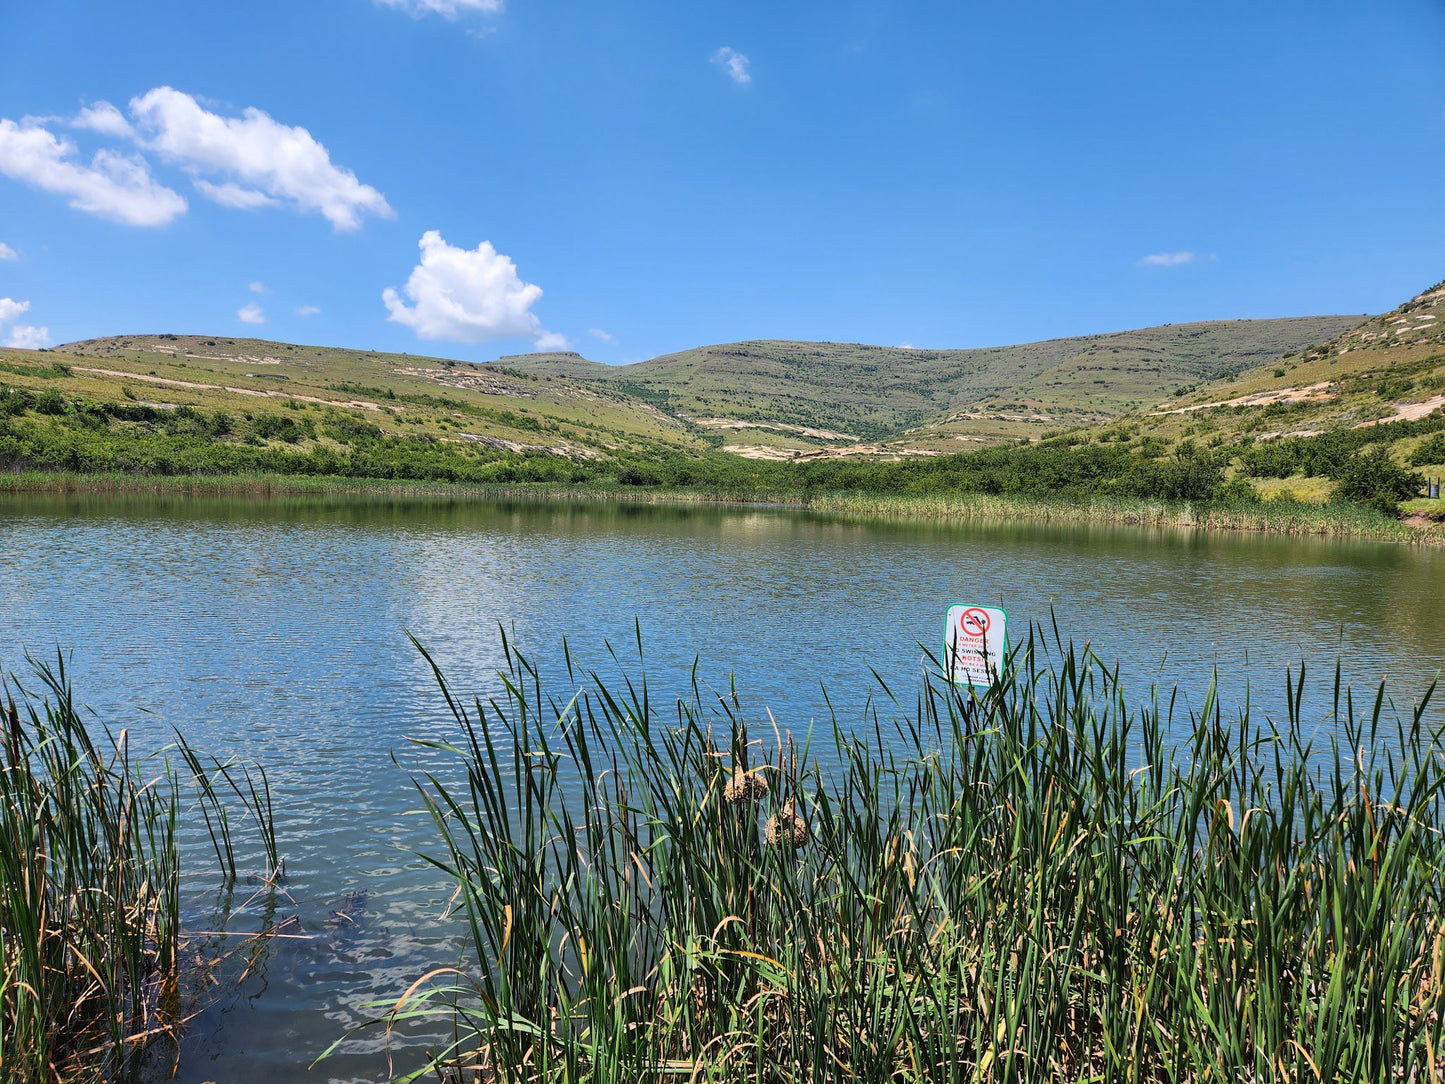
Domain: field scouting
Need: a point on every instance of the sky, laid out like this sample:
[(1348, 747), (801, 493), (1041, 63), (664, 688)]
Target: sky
[(474, 178)]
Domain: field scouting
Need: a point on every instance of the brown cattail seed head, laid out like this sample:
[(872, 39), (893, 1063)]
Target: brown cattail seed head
[(786, 827), (745, 787)]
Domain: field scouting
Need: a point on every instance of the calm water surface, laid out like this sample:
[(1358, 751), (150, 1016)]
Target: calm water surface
[(276, 630)]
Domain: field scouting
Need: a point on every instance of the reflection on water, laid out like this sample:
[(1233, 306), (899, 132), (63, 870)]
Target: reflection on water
[(276, 629)]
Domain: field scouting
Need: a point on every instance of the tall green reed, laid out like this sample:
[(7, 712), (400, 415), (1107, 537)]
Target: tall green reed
[(1035, 882), (90, 891)]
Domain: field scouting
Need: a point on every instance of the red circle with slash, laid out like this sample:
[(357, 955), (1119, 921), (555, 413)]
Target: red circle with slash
[(974, 622)]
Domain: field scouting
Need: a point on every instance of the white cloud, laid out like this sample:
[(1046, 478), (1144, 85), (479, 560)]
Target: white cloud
[(735, 64), (258, 288), (599, 333), (548, 341), (467, 295), (106, 119), (234, 195), (112, 186), (449, 8), (22, 336), (251, 314), (7, 253), (28, 337), (270, 160), (1167, 259), (307, 310), (905, 346)]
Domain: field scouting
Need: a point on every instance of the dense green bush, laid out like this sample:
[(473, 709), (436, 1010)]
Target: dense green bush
[(1375, 479), (1431, 451), (1325, 454), (49, 401)]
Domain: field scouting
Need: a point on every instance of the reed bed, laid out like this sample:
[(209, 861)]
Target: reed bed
[(90, 890), (1270, 517), (1341, 520), (1031, 882)]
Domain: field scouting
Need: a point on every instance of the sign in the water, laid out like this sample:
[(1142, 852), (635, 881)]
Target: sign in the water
[(975, 644)]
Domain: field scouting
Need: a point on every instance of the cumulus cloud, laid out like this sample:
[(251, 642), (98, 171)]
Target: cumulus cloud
[(597, 332), (7, 253), (106, 119), (466, 295), (251, 314), (112, 185), (735, 64), (548, 341), (307, 310), (258, 288), (1166, 259), (22, 336), (28, 337), (263, 160), (449, 8)]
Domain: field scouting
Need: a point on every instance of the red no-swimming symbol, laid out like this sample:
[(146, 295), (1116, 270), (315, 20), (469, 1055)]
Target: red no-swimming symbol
[(974, 622)]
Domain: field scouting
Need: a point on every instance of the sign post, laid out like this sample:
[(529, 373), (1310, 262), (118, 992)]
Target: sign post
[(975, 644)]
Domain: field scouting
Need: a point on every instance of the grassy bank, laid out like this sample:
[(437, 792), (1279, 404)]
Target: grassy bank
[(90, 882), (1276, 517), (1028, 884)]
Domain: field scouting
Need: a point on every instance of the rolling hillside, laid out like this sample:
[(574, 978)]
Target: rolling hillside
[(1388, 367), (401, 394), (803, 396), (189, 404)]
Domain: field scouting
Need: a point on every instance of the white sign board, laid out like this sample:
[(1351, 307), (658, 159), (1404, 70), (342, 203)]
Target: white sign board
[(975, 644)]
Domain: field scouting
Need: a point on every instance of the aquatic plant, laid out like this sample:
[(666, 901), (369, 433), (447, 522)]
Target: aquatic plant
[(90, 890), (1044, 887)]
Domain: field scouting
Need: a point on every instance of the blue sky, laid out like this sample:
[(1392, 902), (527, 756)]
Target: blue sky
[(635, 178)]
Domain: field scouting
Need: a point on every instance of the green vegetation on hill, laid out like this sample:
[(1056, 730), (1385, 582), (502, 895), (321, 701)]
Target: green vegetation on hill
[(402, 394), (930, 398), (194, 406), (1347, 418), (49, 431), (1389, 367)]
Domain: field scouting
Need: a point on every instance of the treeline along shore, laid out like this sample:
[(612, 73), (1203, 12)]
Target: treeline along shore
[(51, 443)]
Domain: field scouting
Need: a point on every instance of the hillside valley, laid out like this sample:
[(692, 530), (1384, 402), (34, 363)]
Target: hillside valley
[(778, 399), (1188, 411)]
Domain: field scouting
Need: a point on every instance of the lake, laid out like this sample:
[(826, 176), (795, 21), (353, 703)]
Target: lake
[(277, 630)]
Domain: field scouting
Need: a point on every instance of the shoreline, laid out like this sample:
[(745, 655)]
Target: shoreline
[(1269, 517)]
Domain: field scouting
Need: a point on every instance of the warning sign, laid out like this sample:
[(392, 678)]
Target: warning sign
[(975, 644)]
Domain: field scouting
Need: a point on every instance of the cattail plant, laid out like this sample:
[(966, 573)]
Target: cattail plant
[(1040, 881), (90, 887)]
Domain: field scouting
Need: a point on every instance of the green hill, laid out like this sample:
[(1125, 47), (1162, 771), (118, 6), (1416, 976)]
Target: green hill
[(806, 394), (1233, 410), (402, 394), (1346, 418), (202, 404), (1386, 368), (563, 363)]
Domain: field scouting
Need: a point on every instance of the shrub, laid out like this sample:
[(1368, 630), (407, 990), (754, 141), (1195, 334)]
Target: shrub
[(1375, 479)]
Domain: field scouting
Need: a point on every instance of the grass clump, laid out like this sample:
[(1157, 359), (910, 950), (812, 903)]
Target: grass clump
[(1044, 887), (90, 893)]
